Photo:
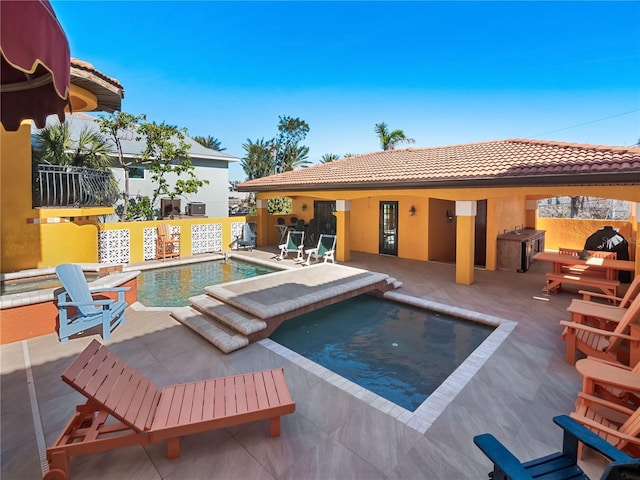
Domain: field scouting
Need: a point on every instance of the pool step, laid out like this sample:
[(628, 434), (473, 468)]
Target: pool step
[(226, 339), (232, 317)]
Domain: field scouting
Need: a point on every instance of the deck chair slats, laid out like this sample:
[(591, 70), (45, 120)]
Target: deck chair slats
[(250, 392), (198, 402), (261, 392), (229, 396), (272, 390), (208, 409), (74, 369), (148, 407), (186, 410), (240, 395), (136, 406), (89, 369), (105, 390), (281, 386), (219, 408), (176, 406)]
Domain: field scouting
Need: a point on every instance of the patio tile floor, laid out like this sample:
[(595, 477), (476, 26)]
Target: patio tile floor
[(333, 434)]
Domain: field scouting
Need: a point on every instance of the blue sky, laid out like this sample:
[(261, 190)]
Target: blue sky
[(444, 72)]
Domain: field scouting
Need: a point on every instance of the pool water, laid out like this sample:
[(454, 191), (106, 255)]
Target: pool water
[(172, 286), (400, 352), (10, 287)]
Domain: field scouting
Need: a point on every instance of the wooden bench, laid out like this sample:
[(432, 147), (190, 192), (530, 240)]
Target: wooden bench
[(142, 414), (555, 280)]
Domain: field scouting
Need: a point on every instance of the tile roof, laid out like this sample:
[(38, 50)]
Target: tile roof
[(504, 162)]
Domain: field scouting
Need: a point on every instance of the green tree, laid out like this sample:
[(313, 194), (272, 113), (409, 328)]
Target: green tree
[(167, 152), (119, 126), (54, 146), (258, 160), (329, 157), (389, 139), (209, 142), (288, 151)]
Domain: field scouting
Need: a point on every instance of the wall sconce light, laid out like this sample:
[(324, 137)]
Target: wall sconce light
[(449, 216), (304, 207), (412, 211)]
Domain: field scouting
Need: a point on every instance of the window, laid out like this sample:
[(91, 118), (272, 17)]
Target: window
[(136, 172)]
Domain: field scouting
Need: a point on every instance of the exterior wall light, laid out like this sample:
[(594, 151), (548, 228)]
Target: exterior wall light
[(449, 216), (412, 211), (304, 207)]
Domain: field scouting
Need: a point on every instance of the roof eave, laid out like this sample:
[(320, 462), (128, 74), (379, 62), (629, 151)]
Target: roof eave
[(618, 178)]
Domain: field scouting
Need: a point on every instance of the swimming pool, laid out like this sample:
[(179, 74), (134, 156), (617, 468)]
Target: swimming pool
[(397, 351), (172, 286)]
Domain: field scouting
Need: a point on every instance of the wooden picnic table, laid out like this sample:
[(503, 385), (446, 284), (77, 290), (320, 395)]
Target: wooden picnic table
[(612, 266)]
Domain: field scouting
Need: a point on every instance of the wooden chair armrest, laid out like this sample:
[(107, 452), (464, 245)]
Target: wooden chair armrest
[(610, 362), (500, 456), (586, 295), (591, 399), (574, 431), (609, 431)]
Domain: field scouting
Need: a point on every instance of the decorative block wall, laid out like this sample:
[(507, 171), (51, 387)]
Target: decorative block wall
[(114, 246)]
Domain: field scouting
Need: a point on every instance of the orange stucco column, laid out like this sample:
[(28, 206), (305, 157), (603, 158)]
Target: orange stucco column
[(262, 234), (343, 229), (465, 240)]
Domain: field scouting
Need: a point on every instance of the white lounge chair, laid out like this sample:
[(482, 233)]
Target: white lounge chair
[(294, 243), (326, 249)]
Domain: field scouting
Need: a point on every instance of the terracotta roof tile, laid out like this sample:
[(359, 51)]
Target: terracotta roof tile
[(514, 161)]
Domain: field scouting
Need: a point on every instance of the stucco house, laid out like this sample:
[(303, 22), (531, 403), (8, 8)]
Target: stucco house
[(210, 165), (449, 203)]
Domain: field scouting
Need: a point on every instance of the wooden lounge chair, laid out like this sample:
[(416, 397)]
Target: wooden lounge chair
[(599, 315), (602, 343), (294, 243), (325, 249), (615, 423), (142, 414), (80, 308), (558, 466), (167, 243), (612, 381)]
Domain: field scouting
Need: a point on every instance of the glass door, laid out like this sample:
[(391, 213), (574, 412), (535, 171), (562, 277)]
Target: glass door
[(388, 228)]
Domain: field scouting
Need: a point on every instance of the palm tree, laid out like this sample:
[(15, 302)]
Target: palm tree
[(209, 142), (329, 157), (390, 139), (54, 146)]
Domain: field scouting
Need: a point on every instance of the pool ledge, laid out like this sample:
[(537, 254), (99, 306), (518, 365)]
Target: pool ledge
[(428, 412)]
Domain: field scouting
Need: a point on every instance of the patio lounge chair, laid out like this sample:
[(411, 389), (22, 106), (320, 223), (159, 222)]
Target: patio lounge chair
[(78, 310), (615, 423), (560, 465), (599, 315), (294, 243), (325, 249), (248, 237), (602, 343), (612, 381), (167, 243), (143, 415)]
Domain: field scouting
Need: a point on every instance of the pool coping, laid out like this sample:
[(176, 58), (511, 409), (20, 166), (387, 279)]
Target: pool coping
[(428, 412)]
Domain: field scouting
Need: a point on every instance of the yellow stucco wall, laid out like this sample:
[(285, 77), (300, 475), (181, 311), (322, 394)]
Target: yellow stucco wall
[(573, 232)]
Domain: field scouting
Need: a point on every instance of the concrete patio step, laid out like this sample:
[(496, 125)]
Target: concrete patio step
[(224, 338), (232, 317)]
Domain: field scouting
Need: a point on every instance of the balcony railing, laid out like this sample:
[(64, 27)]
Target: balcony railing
[(74, 187)]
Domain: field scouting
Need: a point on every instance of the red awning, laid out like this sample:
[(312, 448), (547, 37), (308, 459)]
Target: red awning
[(35, 70)]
